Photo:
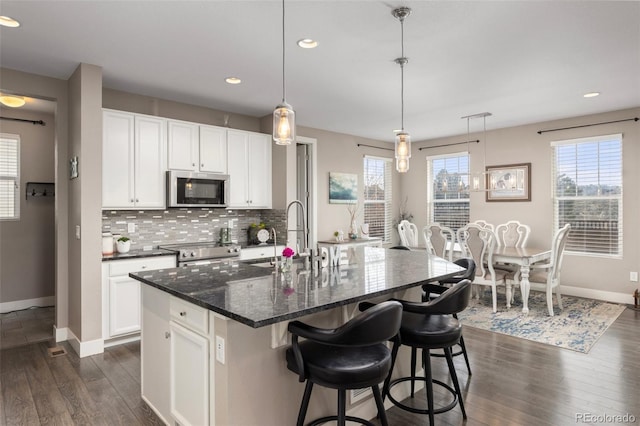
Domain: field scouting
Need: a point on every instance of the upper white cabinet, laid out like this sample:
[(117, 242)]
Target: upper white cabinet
[(134, 153), (196, 147), (249, 165)]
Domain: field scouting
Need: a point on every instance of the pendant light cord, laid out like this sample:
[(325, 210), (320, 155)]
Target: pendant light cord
[(283, 63), (402, 62)]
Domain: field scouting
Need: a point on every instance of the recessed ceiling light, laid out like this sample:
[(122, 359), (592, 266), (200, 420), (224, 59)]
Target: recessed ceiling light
[(591, 94), (12, 101), (233, 80), (6, 21), (307, 43)]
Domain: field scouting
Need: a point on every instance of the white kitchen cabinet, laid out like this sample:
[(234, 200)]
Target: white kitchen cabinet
[(197, 147), (133, 161), (154, 351), (176, 368), (183, 138), (213, 149), (249, 166), (261, 252), (121, 294), (189, 369)]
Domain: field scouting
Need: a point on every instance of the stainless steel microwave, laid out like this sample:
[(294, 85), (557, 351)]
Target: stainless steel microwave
[(192, 189)]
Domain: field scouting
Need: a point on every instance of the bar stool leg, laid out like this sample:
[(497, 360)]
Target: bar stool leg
[(454, 378), (426, 359), (413, 369), (305, 403), (382, 414), (394, 354), (342, 406), (464, 353)]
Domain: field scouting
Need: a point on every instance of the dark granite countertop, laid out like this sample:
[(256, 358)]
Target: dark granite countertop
[(257, 296), (135, 254)]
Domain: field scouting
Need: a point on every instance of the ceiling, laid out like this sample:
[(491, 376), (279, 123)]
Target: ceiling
[(523, 61)]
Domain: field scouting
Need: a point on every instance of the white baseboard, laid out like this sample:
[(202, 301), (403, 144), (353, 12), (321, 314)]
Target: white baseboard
[(18, 305), (84, 349), (589, 293)]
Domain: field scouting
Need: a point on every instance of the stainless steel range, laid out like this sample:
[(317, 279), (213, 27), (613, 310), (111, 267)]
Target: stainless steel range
[(202, 253)]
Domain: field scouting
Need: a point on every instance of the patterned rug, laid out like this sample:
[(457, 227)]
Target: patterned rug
[(577, 327)]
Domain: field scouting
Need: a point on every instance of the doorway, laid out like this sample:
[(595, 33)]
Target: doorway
[(306, 185)]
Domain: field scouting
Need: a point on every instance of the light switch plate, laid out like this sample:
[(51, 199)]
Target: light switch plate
[(77, 232), (633, 277)]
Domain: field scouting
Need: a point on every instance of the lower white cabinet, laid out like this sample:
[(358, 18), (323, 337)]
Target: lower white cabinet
[(189, 367), (176, 369), (260, 252), (121, 294)]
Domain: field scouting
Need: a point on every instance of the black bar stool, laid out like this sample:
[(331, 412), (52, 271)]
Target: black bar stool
[(430, 325), (441, 287), (352, 356)]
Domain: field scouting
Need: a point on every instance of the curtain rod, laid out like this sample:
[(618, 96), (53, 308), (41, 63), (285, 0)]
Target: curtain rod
[(448, 144), (373, 146), (34, 122), (588, 125)]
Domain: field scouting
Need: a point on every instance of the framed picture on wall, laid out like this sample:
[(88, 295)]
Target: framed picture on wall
[(343, 188), (511, 182)]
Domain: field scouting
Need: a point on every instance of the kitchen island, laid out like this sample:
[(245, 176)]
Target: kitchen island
[(213, 336)]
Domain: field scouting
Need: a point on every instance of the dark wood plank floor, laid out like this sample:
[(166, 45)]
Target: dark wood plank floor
[(514, 382)]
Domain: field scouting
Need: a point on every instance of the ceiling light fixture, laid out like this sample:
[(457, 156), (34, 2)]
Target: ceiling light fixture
[(12, 101), (591, 94), (402, 139), (7, 21), (233, 80), (307, 43), (284, 124)]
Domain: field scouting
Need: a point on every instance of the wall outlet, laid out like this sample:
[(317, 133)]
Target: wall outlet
[(633, 277), (220, 349), (131, 227)]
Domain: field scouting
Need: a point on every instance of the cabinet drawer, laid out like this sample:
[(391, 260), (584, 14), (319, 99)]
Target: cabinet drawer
[(189, 315), (260, 252), (123, 267)]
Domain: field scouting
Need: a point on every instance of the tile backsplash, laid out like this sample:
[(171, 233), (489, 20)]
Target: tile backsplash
[(158, 227)]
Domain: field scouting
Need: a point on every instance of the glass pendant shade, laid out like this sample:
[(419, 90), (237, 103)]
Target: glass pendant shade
[(403, 145), (402, 164), (284, 125)]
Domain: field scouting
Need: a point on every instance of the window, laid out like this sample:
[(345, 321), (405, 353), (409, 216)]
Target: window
[(448, 189), (587, 193), (9, 176), (377, 196)]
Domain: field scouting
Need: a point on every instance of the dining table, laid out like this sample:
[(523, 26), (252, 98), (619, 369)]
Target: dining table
[(523, 257)]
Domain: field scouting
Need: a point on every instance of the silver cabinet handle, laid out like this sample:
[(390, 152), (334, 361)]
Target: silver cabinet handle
[(144, 267), (167, 334), (183, 314), (202, 165), (193, 164), (132, 200), (137, 201)]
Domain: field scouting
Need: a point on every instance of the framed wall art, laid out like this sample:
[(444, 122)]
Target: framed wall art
[(511, 182), (343, 188)]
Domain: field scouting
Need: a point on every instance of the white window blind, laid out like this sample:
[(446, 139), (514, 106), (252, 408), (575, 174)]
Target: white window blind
[(377, 196), (448, 189), (587, 193), (9, 176)]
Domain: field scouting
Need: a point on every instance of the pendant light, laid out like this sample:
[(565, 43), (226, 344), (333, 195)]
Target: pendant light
[(284, 124), (403, 139)]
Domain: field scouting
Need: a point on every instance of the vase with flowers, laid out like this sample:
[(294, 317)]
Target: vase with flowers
[(353, 213), (287, 259)]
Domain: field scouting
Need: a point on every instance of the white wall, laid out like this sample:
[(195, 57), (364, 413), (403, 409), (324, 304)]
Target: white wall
[(590, 275)]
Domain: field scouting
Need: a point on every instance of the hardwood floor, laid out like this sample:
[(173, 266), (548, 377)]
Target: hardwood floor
[(514, 382)]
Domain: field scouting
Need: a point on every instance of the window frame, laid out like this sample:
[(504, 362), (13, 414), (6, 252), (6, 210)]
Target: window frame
[(388, 195), (13, 178), (557, 199), (431, 200)]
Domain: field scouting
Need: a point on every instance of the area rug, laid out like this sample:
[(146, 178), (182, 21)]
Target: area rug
[(577, 327)]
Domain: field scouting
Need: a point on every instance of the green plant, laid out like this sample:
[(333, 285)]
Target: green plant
[(123, 239), (336, 233)]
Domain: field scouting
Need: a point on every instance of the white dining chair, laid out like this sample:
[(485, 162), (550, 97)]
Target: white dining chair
[(483, 223), (512, 234), (479, 244), (546, 276), (439, 240), (408, 233)]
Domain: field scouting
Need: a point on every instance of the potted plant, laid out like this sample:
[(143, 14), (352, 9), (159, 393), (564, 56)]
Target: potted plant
[(124, 244)]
